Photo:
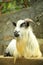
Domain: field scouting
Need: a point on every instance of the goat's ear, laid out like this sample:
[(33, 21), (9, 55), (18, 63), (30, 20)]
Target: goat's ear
[(14, 23)]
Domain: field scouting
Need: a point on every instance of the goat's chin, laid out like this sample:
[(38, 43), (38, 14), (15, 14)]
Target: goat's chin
[(18, 38)]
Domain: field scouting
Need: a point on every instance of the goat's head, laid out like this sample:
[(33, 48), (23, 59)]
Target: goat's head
[(21, 28)]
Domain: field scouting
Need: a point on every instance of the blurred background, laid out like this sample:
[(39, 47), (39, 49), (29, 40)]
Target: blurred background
[(13, 5), (7, 6), (12, 11)]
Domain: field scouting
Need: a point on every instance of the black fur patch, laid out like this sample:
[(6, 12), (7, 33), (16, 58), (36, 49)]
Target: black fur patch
[(25, 24), (22, 25), (7, 54)]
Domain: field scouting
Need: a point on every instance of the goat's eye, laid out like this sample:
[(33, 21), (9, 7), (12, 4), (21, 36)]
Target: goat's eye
[(22, 25), (25, 24)]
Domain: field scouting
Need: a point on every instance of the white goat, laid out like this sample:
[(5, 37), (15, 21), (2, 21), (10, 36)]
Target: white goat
[(26, 44)]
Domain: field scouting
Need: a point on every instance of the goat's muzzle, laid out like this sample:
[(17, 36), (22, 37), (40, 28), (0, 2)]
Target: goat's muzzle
[(16, 34)]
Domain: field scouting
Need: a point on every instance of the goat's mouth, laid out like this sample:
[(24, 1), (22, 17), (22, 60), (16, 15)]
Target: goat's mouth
[(17, 35)]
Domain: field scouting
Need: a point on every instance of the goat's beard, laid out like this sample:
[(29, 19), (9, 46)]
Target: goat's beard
[(22, 41), (21, 44)]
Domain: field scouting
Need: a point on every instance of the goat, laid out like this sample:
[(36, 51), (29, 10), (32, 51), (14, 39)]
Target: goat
[(26, 44)]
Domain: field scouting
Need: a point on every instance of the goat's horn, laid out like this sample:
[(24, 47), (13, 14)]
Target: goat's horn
[(29, 20)]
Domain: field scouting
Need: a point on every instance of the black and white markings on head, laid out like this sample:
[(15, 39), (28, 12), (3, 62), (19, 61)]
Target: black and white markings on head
[(26, 22), (23, 23)]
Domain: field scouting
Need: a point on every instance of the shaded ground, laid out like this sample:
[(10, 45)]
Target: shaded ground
[(22, 61)]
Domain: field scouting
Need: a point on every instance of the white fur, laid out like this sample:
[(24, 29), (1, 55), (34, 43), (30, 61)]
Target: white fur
[(26, 44), (28, 40), (11, 47)]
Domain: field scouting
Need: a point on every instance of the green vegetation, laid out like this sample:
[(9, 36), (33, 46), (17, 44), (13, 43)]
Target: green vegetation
[(15, 5)]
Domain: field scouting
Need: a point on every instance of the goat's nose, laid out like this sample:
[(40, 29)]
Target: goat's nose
[(16, 34)]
